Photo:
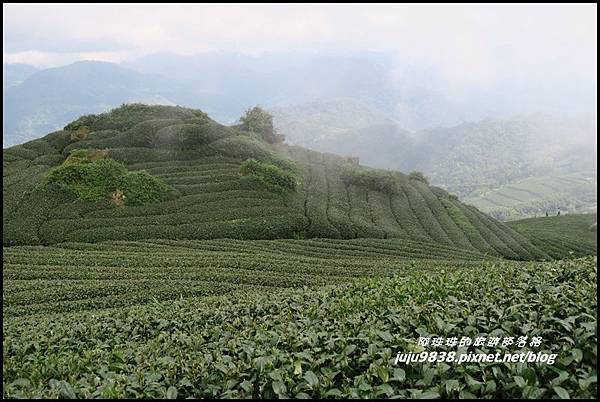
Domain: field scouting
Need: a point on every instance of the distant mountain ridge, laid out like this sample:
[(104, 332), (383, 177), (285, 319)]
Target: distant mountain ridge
[(355, 105), (47, 99), (226, 84), (14, 74), (473, 160)]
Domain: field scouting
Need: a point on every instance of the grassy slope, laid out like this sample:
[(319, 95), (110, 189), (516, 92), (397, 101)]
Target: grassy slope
[(216, 202), (561, 236)]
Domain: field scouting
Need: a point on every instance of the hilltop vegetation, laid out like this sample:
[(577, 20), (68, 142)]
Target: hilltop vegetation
[(219, 192), (91, 176)]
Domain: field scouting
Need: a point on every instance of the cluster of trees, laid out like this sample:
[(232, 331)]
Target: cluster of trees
[(258, 120)]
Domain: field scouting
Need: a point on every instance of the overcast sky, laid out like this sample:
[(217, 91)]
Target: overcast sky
[(468, 43)]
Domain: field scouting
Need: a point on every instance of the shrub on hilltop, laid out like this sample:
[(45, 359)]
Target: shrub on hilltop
[(418, 176), (91, 176), (372, 179), (257, 120), (273, 177)]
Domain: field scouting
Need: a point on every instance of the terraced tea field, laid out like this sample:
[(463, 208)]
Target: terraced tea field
[(535, 196), (82, 276), (339, 340), (561, 236), (152, 252), (200, 159)]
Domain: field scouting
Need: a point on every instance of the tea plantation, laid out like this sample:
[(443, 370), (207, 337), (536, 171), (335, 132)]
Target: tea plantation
[(562, 235), (80, 276), (216, 198), (337, 341), (150, 252)]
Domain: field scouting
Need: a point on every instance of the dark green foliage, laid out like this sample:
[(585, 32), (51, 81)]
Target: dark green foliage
[(273, 177), (90, 181), (143, 188), (59, 139)]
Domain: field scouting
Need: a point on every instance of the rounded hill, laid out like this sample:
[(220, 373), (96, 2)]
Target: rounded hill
[(229, 182)]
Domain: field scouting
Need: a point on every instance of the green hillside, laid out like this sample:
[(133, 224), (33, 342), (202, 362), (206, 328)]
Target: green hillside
[(561, 236), (152, 252), (213, 193)]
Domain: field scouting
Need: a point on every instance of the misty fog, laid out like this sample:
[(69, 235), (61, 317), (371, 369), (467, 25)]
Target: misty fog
[(476, 96)]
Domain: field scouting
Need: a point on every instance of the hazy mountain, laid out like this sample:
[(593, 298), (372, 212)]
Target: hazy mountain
[(495, 152), (230, 82), (15, 73), (488, 152), (48, 99), (417, 97), (225, 84), (317, 122), (487, 161)]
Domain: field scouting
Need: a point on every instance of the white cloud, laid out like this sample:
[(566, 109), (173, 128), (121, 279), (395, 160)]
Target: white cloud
[(55, 59), (469, 44)]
